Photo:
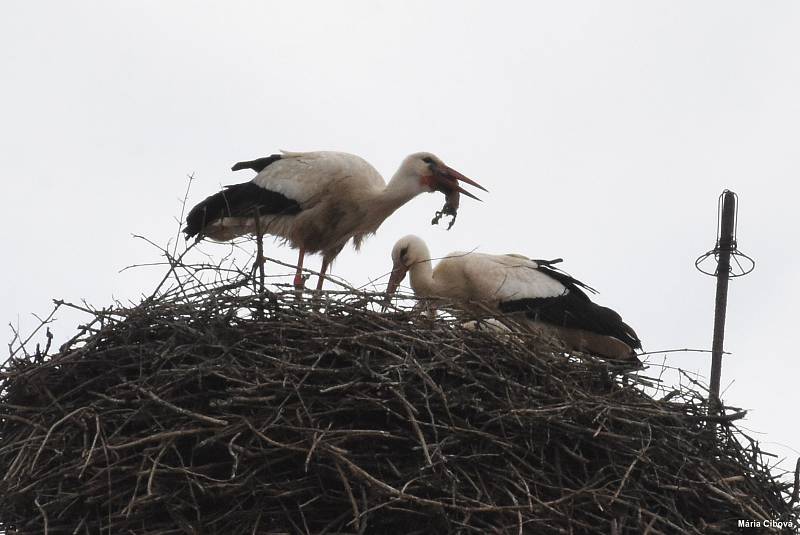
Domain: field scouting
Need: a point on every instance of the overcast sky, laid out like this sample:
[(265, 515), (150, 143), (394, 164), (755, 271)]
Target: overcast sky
[(604, 131)]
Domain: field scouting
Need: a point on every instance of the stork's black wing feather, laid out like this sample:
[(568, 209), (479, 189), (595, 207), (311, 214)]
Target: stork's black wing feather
[(238, 200), (566, 279), (574, 310)]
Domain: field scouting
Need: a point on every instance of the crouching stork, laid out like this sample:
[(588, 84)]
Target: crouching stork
[(548, 299), (317, 201)]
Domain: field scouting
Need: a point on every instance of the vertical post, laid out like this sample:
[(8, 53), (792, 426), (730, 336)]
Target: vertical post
[(725, 246)]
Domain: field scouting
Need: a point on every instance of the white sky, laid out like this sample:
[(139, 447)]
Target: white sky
[(605, 132)]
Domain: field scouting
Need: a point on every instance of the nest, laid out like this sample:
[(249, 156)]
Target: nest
[(225, 411)]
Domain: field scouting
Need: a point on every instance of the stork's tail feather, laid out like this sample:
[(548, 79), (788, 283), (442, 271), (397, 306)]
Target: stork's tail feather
[(258, 164), (541, 262)]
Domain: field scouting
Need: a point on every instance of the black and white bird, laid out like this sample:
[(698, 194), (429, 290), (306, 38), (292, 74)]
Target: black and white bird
[(317, 201), (512, 283)]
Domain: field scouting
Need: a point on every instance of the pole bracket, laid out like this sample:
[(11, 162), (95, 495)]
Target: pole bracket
[(740, 263)]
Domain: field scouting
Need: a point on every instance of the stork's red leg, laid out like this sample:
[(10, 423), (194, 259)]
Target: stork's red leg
[(298, 277), (322, 270)]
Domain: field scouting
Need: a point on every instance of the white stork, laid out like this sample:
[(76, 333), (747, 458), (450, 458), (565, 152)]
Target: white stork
[(514, 283), (317, 201)]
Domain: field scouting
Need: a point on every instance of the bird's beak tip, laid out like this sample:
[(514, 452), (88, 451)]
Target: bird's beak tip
[(452, 173), (467, 193), (396, 277)]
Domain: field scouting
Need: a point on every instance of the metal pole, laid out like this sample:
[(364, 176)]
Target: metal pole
[(725, 247)]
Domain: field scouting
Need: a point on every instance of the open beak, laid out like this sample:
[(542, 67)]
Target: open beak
[(398, 274), (446, 180)]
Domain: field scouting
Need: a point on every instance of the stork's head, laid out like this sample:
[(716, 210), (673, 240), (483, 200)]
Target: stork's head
[(424, 172), (432, 174), (408, 251)]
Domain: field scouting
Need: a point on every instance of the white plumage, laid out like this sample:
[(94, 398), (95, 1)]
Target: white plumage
[(494, 279), (509, 283), (470, 276), (317, 201)]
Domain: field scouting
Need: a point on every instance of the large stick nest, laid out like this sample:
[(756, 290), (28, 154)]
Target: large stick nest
[(227, 412)]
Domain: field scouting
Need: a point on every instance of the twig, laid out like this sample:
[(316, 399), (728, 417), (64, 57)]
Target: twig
[(50, 432), (44, 515), (23, 343), (181, 410)]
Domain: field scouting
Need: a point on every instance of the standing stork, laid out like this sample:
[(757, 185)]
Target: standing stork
[(514, 283), (317, 201)]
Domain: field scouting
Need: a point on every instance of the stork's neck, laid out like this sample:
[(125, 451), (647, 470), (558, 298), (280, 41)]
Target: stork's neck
[(400, 189), (422, 280)]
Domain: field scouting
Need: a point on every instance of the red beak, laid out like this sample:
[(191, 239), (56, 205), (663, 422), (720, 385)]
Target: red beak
[(447, 180), (398, 274)]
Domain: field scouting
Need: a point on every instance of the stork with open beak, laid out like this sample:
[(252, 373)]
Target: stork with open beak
[(317, 201), (548, 299)]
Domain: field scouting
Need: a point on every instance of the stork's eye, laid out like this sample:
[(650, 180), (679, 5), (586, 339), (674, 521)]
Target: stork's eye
[(404, 251), (427, 159)]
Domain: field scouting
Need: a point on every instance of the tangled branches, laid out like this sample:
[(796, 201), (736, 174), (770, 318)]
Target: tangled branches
[(219, 411)]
